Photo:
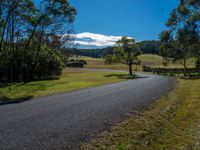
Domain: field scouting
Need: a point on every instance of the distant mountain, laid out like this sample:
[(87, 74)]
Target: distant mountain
[(147, 47)]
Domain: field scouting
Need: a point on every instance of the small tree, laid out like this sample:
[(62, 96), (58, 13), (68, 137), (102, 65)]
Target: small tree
[(126, 51)]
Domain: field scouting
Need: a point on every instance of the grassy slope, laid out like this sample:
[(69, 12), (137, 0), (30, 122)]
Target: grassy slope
[(173, 123), (72, 79), (147, 59), (99, 62)]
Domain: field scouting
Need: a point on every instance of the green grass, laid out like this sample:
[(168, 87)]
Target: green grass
[(99, 62), (171, 123), (146, 59), (72, 79)]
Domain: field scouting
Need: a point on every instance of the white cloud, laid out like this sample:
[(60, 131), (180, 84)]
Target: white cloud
[(98, 40)]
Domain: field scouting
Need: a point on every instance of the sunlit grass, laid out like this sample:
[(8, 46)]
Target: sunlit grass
[(172, 122), (72, 79), (146, 59)]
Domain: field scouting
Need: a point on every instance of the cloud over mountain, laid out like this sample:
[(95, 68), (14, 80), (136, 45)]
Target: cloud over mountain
[(93, 40)]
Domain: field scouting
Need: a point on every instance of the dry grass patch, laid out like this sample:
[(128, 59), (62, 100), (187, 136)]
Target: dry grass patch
[(146, 59)]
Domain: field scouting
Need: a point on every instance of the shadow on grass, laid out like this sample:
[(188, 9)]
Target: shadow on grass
[(6, 100), (124, 76), (2, 85), (16, 84), (46, 79), (190, 77)]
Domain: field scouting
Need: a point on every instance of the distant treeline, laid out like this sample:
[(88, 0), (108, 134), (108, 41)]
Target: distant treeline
[(96, 53), (147, 47), (150, 47)]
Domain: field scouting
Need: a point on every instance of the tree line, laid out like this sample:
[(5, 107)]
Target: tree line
[(96, 53), (31, 36), (147, 47)]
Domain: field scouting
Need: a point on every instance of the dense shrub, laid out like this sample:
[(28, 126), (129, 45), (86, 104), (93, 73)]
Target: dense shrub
[(198, 63), (75, 64), (83, 62), (49, 66)]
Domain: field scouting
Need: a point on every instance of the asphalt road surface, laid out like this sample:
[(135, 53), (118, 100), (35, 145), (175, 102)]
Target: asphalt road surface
[(63, 121)]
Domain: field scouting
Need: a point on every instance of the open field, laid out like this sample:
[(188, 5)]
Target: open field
[(172, 122), (147, 59), (72, 79)]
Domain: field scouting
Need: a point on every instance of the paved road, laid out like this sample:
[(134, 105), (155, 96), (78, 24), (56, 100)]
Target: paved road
[(63, 121)]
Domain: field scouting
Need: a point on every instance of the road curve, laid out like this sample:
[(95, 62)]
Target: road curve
[(63, 121)]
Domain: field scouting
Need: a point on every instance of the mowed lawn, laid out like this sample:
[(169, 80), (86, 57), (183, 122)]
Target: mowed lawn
[(171, 123), (72, 79)]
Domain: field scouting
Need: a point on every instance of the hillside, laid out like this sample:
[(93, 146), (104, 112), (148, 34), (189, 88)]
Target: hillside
[(151, 60), (147, 47)]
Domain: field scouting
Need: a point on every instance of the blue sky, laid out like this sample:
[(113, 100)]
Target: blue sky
[(140, 19)]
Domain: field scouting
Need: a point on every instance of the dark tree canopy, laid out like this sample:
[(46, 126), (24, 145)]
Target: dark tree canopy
[(96, 53), (31, 36), (150, 47)]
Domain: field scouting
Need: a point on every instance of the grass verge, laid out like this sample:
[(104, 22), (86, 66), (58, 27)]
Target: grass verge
[(172, 122), (72, 79)]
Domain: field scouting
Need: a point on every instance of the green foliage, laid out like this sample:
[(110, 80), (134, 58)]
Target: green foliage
[(149, 47), (30, 38), (182, 39), (198, 63), (108, 59), (126, 51), (49, 65)]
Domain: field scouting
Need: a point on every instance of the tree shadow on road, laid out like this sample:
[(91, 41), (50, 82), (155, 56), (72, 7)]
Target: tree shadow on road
[(6, 100), (125, 76)]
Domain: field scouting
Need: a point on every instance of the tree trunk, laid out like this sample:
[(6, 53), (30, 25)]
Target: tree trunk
[(130, 70), (185, 66), (36, 57)]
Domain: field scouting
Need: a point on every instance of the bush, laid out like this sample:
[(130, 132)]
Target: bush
[(49, 66), (75, 64), (83, 61), (71, 60), (198, 63)]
